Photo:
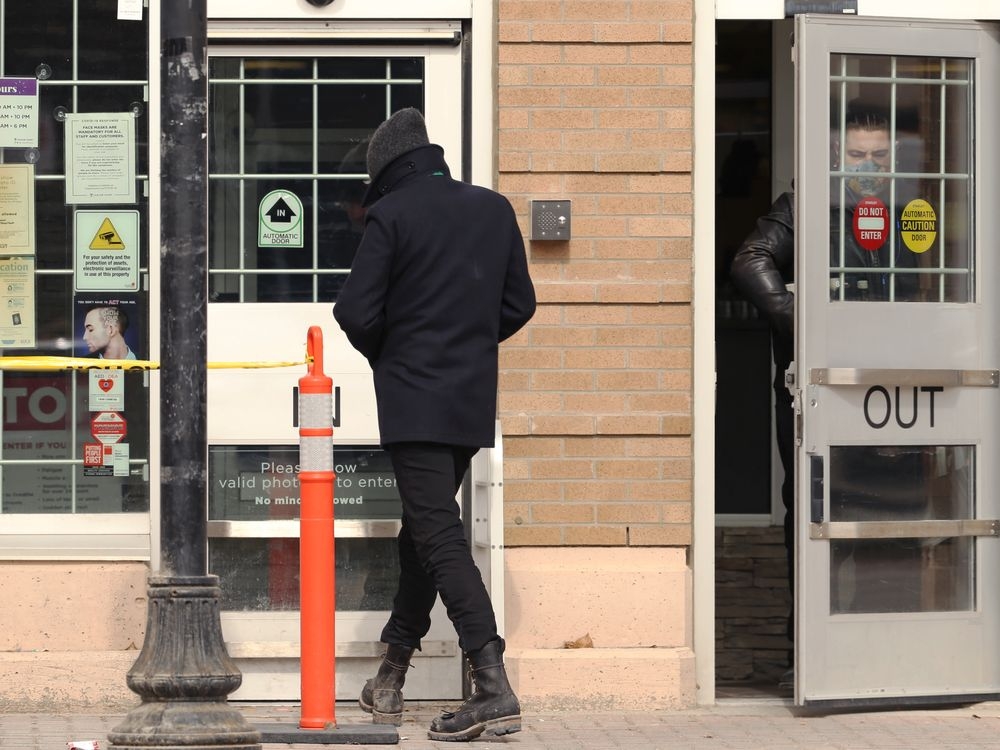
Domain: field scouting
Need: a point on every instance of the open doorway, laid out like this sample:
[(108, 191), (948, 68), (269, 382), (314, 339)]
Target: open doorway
[(754, 155)]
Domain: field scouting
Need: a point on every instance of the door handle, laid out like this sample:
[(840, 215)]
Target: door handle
[(924, 529), (816, 489), (866, 376)]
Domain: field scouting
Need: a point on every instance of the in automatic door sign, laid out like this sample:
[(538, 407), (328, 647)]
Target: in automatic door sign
[(871, 223), (280, 220), (108, 427)]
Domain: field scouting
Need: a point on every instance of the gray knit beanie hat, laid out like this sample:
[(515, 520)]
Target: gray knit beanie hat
[(402, 132)]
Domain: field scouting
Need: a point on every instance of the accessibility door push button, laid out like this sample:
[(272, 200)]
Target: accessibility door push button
[(550, 220)]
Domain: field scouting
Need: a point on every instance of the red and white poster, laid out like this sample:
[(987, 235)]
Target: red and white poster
[(108, 427)]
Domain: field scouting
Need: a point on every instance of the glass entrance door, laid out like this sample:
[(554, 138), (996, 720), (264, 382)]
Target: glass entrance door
[(288, 135), (896, 357)]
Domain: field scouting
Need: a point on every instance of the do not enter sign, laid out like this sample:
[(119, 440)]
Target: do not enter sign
[(871, 223), (108, 427)]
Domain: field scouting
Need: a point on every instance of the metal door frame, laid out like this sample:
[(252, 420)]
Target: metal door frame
[(858, 659), (265, 644)]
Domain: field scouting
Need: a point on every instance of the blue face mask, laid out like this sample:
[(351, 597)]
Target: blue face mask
[(864, 184)]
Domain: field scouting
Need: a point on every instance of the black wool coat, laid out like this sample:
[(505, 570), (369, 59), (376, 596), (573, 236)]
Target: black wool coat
[(439, 279)]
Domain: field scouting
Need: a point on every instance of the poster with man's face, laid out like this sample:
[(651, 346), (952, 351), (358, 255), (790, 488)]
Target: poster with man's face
[(108, 326)]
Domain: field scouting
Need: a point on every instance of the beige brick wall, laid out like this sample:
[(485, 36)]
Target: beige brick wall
[(595, 106)]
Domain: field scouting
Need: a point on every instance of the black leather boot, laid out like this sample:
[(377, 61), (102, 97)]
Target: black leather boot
[(382, 695), (493, 707)]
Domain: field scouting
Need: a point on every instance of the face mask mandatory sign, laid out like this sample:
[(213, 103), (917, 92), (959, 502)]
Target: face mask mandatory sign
[(280, 220)]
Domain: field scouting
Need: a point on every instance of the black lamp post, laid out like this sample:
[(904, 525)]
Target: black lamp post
[(183, 673)]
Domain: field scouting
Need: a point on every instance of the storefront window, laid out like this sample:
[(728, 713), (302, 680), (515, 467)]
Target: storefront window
[(259, 568), (74, 140), (892, 484), (287, 145), (262, 575), (901, 179)]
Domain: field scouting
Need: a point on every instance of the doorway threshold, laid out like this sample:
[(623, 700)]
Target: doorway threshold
[(735, 693)]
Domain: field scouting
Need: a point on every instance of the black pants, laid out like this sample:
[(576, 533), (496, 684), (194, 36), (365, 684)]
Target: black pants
[(434, 556), (785, 432)]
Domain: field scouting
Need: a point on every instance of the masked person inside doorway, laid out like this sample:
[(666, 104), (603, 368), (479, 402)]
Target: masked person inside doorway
[(763, 271), (439, 279)]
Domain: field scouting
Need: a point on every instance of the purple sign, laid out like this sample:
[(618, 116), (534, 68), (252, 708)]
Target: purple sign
[(18, 112), (18, 86)]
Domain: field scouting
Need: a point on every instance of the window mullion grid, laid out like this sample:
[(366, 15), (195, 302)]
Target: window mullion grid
[(242, 183), (315, 180), (971, 184), (842, 120), (893, 211), (71, 374), (942, 183)]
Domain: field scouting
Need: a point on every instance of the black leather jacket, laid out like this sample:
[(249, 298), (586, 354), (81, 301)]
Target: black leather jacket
[(760, 269), (764, 264)]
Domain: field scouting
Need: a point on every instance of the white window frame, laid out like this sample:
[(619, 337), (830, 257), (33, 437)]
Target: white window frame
[(981, 10), (346, 10), (135, 536), (108, 536)]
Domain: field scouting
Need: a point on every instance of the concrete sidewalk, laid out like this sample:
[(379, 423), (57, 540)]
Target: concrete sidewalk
[(731, 724)]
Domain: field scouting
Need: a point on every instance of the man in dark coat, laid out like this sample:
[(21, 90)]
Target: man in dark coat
[(440, 278)]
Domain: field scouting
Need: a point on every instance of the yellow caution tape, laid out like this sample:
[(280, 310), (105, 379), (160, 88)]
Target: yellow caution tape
[(86, 363)]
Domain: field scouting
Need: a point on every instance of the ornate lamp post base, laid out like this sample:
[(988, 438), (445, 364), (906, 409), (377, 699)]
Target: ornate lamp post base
[(184, 674)]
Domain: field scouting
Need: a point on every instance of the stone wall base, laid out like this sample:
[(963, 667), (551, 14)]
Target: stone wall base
[(752, 602), (630, 607), (544, 679), (66, 681), (602, 679)]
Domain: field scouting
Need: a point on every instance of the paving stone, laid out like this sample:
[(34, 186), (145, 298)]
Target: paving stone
[(729, 725)]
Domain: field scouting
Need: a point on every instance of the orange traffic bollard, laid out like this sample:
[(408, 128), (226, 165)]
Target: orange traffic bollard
[(316, 545)]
